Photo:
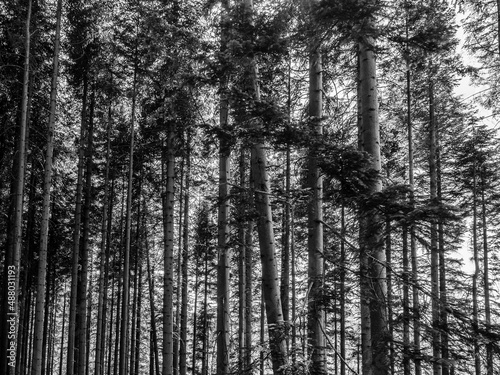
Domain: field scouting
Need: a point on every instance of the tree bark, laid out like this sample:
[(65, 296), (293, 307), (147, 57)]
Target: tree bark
[(104, 261), (436, 342), (375, 336), (168, 217), (47, 184), (316, 312), (486, 275), (124, 335), (223, 261), (10, 296), (71, 362)]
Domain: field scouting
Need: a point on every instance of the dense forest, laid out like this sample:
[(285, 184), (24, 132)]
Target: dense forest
[(249, 187)]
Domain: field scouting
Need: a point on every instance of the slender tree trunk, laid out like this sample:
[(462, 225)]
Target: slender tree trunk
[(184, 265), (63, 326), (204, 351), (10, 296), (81, 339), (373, 269), (152, 308), (180, 238), (436, 342), (342, 291), (104, 261), (168, 217), (486, 275), (388, 252), (285, 254), (406, 304), (443, 314), (249, 265), (294, 291), (270, 277), (194, 368), (413, 247), (316, 313), (475, 276), (47, 184), (124, 334), (138, 331), (223, 312)]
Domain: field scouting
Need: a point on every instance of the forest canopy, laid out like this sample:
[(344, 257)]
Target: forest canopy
[(249, 187)]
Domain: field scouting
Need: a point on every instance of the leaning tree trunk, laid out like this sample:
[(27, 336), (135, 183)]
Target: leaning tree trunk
[(44, 230), (270, 276), (373, 270)]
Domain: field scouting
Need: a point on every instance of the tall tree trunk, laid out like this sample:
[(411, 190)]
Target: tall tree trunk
[(71, 361), (168, 217), (81, 339), (104, 260), (47, 184), (315, 305), (373, 269), (223, 312), (63, 326), (184, 264), (124, 335), (413, 247), (436, 342), (342, 290), (152, 308), (10, 296), (486, 276), (475, 276), (204, 350), (443, 300), (388, 254), (270, 277)]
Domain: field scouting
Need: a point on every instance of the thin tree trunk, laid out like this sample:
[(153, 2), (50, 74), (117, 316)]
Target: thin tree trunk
[(104, 261), (194, 368), (342, 291), (71, 361), (373, 269), (388, 252), (138, 331), (62, 333), (47, 184), (413, 247), (10, 296), (168, 217), (223, 312), (81, 339), (486, 277), (184, 265), (152, 308), (443, 314), (270, 277), (316, 313), (475, 276), (204, 351), (294, 291), (124, 336), (436, 342)]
